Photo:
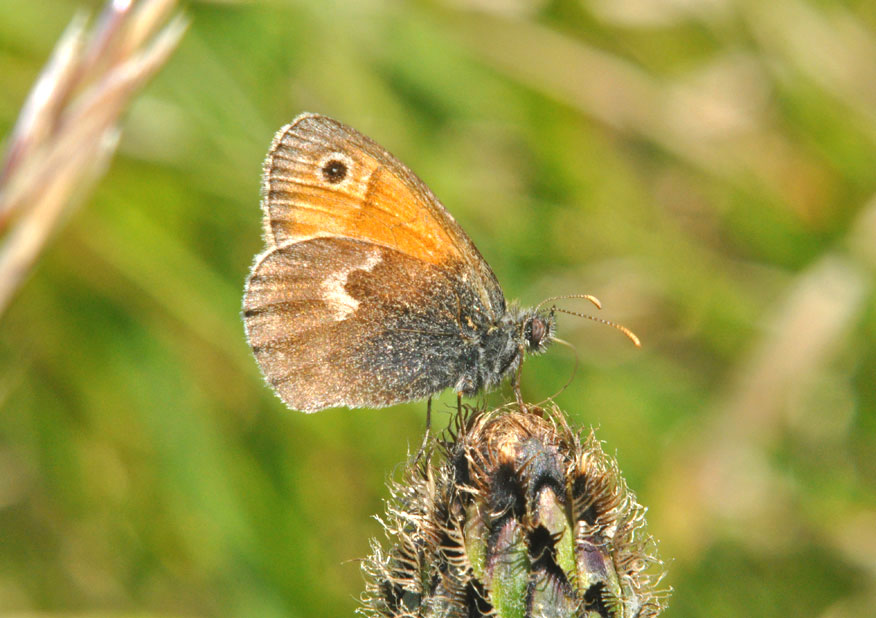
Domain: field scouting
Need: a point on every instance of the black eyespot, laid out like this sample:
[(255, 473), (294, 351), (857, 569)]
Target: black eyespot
[(334, 171)]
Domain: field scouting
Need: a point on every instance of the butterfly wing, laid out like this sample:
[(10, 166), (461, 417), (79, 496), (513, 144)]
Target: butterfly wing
[(369, 293), (342, 322), (377, 200)]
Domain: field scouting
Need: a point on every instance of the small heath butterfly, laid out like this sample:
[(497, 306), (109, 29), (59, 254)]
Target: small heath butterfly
[(369, 292)]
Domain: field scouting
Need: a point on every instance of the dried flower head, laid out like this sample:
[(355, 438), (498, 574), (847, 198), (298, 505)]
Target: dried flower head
[(514, 514)]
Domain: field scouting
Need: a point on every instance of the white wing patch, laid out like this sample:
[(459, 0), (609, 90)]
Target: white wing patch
[(333, 287)]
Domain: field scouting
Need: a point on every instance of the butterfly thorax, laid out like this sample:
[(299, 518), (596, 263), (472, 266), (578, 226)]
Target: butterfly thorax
[(502, 345)]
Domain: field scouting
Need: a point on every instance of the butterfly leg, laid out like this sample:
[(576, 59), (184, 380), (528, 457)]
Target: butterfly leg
[(515, 385), (519, 398), (428, 433)]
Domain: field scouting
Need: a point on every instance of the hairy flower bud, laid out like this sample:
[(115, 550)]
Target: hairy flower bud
[(513, 514)]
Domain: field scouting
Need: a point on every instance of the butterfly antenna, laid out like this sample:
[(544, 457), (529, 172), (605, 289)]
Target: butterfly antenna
[(626, 331), (589, 297)]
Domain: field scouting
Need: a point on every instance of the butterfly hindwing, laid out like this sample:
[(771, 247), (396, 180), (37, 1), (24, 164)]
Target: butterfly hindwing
[(337, 321)]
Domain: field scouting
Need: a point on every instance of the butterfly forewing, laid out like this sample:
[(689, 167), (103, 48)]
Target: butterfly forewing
[(378, 200)]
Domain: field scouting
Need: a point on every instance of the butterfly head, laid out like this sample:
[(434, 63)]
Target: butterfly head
[(537, 331)]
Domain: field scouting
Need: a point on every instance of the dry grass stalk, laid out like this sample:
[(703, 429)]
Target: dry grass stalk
[(68, 128)]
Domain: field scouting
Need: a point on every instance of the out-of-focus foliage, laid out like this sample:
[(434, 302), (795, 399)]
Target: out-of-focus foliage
[(707, 169)]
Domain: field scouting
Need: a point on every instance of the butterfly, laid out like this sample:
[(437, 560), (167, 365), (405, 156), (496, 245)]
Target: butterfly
[(369, 292)]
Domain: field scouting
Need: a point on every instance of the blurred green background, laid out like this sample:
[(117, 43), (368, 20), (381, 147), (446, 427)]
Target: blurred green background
[(707, 169)]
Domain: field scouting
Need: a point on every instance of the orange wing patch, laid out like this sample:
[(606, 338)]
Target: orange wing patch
[(316, 185)]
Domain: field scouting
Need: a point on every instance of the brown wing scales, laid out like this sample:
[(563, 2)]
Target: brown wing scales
[(335, 322)]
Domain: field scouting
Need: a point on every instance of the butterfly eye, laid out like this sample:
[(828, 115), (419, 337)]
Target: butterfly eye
[(334, 171), (535, 332)]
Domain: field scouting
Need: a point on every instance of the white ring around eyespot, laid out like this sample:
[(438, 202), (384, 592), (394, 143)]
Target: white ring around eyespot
[(336, 156)]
